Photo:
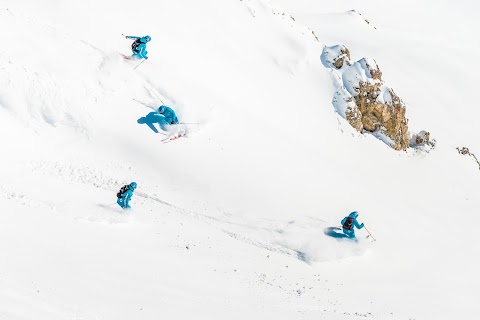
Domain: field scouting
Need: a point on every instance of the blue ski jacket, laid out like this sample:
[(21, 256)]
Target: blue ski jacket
[(139, 46), (348, 228), (169, 114), (127, 195)]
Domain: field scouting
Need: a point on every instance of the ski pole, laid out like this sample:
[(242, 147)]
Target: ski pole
[(370, 234), (158, 97), (138, 65), (146, 105)]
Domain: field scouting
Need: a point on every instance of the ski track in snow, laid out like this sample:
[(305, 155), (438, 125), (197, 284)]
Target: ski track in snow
[(112, 214)]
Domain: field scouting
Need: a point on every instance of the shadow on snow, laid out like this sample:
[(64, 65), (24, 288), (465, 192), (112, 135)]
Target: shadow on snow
[(152, 118)]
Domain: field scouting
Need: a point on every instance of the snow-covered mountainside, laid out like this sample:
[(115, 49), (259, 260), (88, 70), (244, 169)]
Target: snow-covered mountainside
[(228, 222)]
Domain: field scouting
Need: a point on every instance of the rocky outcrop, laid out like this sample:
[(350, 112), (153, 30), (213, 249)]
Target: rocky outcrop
[(365, 100), (379, 116), (337, 56)]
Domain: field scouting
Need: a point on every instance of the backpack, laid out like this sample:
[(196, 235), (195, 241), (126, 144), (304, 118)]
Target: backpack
[(135, 45), (122, 191), (348, 223)]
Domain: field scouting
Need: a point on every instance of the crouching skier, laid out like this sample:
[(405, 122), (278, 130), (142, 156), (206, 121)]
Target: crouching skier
[(139, 46), (348, 224), (125, 194), (169, 114)]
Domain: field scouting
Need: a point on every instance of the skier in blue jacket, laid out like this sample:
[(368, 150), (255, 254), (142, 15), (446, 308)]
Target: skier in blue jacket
[(125, 194), (348, 224), (169, 114), (139, 46)]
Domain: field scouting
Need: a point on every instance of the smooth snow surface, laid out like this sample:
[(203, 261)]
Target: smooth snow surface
[(228, 222)]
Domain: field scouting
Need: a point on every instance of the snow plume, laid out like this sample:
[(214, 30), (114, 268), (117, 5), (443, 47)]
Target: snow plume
[(308, 241)]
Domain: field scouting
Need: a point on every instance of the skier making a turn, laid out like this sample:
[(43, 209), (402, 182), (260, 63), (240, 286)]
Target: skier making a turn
[(139, 46), (169, 114), (125, 194), (348, 224)]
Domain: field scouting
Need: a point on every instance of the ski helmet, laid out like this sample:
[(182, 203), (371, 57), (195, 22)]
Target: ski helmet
[(133, 185), (148, 38)]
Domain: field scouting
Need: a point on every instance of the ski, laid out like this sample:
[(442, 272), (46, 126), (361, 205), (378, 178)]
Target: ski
[(175, 136), (129, 58), (173, 139)]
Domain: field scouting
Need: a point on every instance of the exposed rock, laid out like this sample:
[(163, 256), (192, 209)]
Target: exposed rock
[(465, 151), (354, 116), (366, 101), (343, 57), (371, 67), (337, 56), (422, 137), (422, 141), (386, 117), (360, 15)]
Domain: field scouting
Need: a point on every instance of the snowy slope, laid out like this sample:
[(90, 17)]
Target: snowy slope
[(229, 221)]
